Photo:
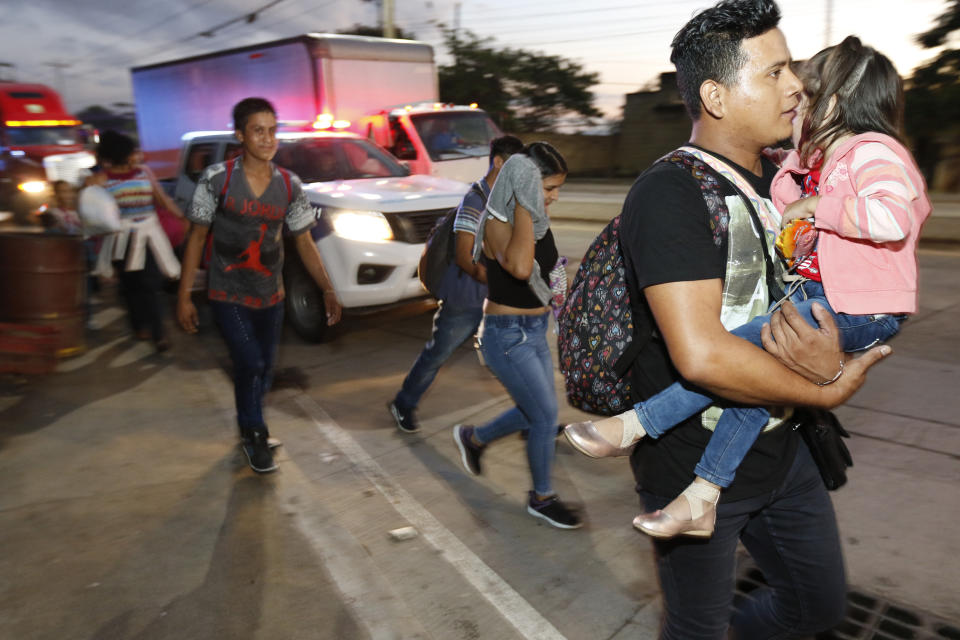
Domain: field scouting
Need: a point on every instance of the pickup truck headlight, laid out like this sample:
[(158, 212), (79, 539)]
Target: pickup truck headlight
[(366, 226), (32, 186)]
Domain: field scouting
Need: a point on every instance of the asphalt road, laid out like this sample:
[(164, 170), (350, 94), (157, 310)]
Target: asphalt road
[(127, 511)]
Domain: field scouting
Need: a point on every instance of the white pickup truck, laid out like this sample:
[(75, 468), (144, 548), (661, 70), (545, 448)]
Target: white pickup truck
[(372, 217)]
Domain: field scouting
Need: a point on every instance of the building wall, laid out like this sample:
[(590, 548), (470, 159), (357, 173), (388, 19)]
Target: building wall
[(585, 155), (654, 122)]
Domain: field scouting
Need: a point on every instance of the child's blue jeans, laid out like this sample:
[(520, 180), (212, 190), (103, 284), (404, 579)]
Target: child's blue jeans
[(739, 427)]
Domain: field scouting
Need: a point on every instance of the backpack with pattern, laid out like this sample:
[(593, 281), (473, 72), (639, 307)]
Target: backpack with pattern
[(597, 338), (605, 343)]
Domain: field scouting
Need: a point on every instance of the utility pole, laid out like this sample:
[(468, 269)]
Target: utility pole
[(388, 29), (58, 68), (828, 33)]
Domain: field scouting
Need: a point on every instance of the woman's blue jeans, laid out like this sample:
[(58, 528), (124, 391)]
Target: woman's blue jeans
[(739, 427), (251, 336), (516, 350)]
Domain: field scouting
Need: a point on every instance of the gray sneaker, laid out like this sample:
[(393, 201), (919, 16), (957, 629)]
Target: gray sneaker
[(469, 452), (554, 512)]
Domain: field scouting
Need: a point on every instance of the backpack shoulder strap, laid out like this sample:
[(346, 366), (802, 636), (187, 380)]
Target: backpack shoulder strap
[(226, 180), (751, 200), (286, 182)]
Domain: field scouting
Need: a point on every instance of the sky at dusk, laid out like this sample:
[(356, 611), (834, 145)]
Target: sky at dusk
[(85, 48)]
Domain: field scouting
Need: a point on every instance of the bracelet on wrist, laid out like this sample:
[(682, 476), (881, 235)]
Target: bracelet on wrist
[(833, 379)]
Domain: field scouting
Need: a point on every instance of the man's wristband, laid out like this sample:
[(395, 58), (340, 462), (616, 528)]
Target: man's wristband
[(833, 379)]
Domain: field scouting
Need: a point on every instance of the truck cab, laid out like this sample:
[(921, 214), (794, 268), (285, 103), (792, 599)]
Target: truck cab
[(40, 142), (372, 217), (437, 139)]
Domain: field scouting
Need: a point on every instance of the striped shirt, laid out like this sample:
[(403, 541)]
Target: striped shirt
[(133, 192)]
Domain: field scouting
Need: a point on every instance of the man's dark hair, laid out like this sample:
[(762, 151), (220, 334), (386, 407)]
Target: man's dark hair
[(708, 46), (246, 108), (115, 148), (505, 146)]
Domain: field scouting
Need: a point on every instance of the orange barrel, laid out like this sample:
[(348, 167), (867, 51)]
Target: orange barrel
[(43, 280)]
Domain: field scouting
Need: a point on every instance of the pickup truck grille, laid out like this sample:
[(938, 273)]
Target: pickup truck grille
[(414, 226)]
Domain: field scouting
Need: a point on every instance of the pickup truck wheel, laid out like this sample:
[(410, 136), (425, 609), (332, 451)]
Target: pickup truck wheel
[(304, 305)]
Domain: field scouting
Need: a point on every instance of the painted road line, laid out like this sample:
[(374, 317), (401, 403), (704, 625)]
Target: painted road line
[(510, 604), (366, 593)]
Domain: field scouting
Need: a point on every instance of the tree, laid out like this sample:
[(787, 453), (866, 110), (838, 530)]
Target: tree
[(521, 90), (933, 99)]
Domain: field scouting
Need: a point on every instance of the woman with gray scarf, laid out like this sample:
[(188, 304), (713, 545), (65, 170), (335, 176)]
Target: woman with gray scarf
[(515, 237)]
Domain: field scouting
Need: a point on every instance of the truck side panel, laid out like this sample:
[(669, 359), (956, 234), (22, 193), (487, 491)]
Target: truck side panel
[(355, 88), (198, 95)]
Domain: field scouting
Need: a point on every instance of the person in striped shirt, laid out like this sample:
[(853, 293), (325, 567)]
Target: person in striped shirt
[(864, 202)]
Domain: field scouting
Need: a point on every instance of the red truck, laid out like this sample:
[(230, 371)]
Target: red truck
[(40, 142)]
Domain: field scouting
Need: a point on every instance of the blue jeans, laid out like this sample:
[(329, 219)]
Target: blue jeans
[(516, 350), (791, 533), (739, 427), (452, 325), (251, 336)]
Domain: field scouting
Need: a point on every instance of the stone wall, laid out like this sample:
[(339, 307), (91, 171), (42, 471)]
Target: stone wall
[(585, 155)]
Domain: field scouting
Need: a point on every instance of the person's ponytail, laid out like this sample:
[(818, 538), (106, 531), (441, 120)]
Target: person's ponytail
[(546, 157)]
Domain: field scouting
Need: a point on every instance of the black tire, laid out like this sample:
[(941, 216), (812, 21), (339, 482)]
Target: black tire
[(304, 305)]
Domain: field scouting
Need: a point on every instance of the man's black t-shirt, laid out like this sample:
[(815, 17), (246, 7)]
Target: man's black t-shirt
[(667, 235)]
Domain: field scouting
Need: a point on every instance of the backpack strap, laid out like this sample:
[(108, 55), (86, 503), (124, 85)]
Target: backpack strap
[(286, 182), (226, 182), (759, 215)]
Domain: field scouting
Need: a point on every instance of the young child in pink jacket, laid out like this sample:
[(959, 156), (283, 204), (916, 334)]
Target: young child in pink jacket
[(866, 202)]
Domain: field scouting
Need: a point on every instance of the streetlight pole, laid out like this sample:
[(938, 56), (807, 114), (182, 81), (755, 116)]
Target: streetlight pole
[(388, 29), (828, 34)]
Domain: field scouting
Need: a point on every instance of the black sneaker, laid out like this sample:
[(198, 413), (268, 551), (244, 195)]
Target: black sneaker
[(258, 452), (272, 442), (554, 512), (469, 452), (404, 418)]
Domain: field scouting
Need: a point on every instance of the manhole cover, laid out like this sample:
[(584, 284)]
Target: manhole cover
[(869, 617)]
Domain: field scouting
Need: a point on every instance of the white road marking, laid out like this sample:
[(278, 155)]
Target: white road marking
[(511, 605), (87, 358), (366, 592), (105, 317)]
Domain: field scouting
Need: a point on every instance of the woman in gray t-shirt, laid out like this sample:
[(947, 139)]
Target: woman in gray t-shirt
[(520, 251)]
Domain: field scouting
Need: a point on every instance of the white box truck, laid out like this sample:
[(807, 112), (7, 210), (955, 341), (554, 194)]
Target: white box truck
[(383, 89)]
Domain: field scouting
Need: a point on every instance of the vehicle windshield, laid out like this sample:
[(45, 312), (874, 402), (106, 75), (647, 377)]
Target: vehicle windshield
[(42, 136), (328, 159), (455, 134)]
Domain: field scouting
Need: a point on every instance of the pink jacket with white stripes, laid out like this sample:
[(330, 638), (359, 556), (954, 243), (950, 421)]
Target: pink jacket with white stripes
[(873, 202)]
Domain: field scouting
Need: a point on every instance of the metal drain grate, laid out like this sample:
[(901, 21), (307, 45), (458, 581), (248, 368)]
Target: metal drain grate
[(869, 617)]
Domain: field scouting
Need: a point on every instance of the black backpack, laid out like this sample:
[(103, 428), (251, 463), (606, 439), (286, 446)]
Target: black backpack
[(439, 249)]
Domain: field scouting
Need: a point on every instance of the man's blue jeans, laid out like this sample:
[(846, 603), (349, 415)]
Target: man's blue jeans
[(791, 533), (251, 336), (516, 350), (739, 427), (451, 327)]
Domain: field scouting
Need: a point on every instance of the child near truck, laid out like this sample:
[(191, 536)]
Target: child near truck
[(250, 199)]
